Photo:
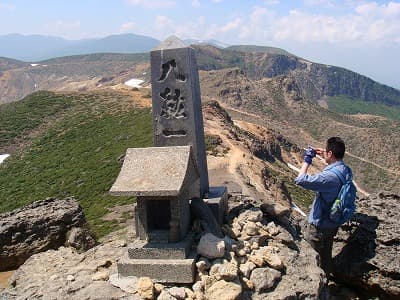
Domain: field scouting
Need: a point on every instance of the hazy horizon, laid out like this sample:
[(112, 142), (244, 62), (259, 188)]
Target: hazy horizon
[(363, 36)]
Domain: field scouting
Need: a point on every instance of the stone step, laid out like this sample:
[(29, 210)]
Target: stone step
[(160, 270), (140, 249)]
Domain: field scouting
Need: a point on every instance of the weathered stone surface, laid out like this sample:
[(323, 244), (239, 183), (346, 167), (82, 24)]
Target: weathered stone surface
[(102, 275), (368, 250), (80, 238), (211, 246), (145, 288), (223, 290), (177, 292), (126, 284), (161, 270), (155, 172), (302, 278), (271, 257), (276, 209), (246, 268), (164, 295), (35, 228), (253, 214), (265, 279), (46, 274), (176, 102), (227, 271)]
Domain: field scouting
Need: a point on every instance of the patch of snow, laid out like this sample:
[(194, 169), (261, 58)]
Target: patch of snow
[(3, 157), (34, 65), (134, 82)]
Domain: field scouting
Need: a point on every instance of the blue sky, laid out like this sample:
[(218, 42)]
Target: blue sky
[(363, 36)]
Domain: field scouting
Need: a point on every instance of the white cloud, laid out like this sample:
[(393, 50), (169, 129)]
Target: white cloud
[(324, 3), (152, 3), (7, 7), (367, 23), (195, 3), (217, 1), (271, 2), (127, 27), (231, 25)]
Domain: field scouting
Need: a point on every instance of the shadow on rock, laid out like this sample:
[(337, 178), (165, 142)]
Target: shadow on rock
[(367, 249)]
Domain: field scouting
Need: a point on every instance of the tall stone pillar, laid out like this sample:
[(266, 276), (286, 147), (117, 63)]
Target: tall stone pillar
[(177, 112)]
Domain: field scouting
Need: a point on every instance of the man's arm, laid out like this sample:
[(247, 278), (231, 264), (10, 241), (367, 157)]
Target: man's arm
[(304, 168)]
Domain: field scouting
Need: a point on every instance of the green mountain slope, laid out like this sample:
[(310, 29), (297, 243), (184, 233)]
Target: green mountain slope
[(69, 145)]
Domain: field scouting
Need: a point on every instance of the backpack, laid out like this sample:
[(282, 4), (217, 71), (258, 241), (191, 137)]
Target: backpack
[(344, 206)]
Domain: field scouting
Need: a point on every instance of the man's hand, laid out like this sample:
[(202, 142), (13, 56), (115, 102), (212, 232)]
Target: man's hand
[(309, 154)]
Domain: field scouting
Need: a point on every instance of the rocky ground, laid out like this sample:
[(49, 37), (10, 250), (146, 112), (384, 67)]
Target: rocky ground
[(257, 259)]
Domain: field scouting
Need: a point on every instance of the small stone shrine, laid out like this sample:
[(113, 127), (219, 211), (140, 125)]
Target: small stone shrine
[(171, 177)]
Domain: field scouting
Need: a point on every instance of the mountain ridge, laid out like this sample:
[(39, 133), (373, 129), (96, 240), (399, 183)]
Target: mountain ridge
[(46, 47)]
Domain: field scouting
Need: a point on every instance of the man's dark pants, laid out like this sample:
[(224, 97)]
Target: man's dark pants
[(321, 239)]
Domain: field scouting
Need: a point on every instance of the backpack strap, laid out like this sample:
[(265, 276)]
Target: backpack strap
[(339, 174)]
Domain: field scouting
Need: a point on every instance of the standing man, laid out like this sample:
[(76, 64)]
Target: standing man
[(327, 185)]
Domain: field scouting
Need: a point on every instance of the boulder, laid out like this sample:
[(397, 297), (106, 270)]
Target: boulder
[(368, 249), (47, 273), (223, 290), (253, 214), (227, 271), (37, 227), (211, 246), (265, 279), (80, 238), (145, 288)]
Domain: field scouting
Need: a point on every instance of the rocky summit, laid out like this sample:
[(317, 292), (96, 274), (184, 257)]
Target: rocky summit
[(258, 258), (37, 227)]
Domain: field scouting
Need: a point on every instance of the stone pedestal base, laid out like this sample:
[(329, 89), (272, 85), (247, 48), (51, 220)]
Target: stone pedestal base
[(151, 250), (160, 270), (218, 202)]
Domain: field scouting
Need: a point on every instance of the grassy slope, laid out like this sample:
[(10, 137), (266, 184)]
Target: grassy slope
[(77, 155), (346, 105)]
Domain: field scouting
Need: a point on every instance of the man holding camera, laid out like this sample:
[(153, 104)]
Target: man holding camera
[(327, 185)]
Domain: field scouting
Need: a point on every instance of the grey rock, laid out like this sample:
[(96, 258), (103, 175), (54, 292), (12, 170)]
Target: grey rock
[(45, 274), (164, 295), (368, 249), (127, 284), (80, 238), (253, 214), (223, 290), (211, 246), (177, 292), (265, 279), (37, 227), (227, 271)]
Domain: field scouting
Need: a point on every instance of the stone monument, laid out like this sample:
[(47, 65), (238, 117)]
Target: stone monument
[(177, 113), (170, 178)]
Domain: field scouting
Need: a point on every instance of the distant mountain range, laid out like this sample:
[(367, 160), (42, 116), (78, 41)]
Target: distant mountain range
[(35, 48)]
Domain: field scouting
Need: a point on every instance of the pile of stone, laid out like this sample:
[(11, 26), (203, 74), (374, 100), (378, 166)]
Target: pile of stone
[(257, 259)]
